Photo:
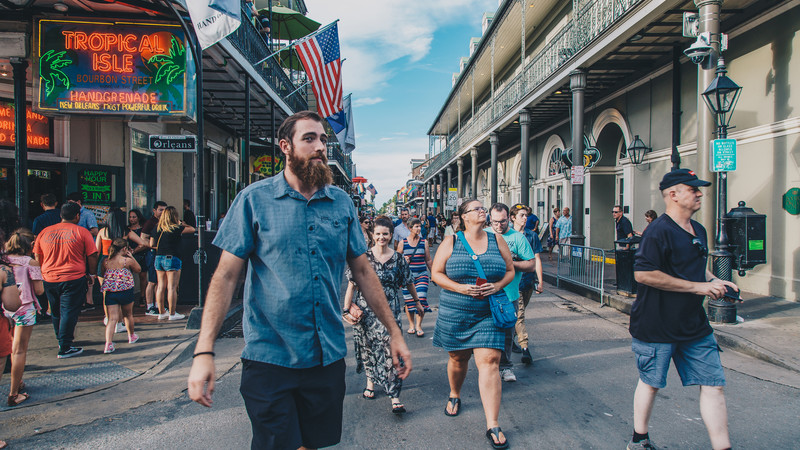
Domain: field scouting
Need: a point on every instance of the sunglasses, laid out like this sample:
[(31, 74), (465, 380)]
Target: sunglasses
[(702, 249)]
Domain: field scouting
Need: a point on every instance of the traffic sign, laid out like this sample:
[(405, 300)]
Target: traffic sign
[(577, 174), (181, 143), (723, 155), (452, 197)]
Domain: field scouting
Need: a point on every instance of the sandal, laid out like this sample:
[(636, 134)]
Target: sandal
[(420, 333), (3, 444), (371, 395), (455, 404), (398, 408), (411, 331), (12, 399), (496, 432)]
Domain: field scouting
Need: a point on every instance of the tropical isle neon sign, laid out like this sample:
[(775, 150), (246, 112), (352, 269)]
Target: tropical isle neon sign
[(111, 68)]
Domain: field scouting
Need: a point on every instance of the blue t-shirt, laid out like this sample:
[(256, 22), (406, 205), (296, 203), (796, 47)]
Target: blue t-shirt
[(520, 250), (564, 225), (87, 220), (532, 222), (296, 251), (528, 278), (45, 219), (666, 316)]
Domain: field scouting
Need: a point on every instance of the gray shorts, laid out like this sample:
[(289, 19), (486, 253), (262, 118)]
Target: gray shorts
[(697, 362)]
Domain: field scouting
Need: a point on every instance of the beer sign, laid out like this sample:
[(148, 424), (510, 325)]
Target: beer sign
[(111, 68)]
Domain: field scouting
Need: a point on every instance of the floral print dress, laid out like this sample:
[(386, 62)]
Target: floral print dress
[(370, 337)]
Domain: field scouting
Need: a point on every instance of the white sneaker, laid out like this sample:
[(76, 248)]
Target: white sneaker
[(163, 316), (105, 321), (151, 311), (120, 328), (508, 375), (177, 316)]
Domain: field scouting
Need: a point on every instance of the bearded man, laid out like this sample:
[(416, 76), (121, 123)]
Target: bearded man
[(295, 232)]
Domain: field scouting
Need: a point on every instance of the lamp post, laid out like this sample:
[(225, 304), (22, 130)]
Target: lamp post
[(721, 97), (503, 186)]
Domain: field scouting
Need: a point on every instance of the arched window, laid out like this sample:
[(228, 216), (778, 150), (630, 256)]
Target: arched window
[(555, 166)]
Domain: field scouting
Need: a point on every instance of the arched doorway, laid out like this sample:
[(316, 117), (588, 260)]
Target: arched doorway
[(552, 189)]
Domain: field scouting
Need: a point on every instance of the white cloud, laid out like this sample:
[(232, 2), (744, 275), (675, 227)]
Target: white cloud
[(366, 101), (373, 34), (387, 139), (389, 164)]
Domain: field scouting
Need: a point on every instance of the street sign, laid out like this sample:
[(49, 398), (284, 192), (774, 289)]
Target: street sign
[(452, 197), (791, 201), (577, 174), (181, 143), (723, 155)]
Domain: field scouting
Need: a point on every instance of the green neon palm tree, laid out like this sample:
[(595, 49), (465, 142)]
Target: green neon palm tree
[(50, 65)]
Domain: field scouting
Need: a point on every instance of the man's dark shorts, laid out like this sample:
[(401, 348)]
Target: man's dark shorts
[(289, 408), (151, 267)]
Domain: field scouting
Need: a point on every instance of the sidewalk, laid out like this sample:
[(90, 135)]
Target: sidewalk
[(770, 331)]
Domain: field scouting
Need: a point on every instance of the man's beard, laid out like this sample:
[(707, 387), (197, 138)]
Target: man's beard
[(308, 172)]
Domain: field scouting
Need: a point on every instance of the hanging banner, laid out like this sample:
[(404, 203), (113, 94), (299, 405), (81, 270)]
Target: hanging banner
[(110, 68)]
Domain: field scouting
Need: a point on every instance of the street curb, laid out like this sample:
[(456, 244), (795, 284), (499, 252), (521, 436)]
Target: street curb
[(233, 317), (724, 338)]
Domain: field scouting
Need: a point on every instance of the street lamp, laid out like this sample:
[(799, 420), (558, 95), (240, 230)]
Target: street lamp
[(637, 150), (503, 186), (721, 97)]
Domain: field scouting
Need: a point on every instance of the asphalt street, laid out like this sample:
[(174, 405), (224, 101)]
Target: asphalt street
[(577, 394)]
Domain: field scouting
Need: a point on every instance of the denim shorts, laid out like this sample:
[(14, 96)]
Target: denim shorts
[(151, 267), (166, 263), (119, 297), (697, 362)]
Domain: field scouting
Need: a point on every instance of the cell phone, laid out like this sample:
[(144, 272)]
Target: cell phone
[(731, 294), (479, 282)]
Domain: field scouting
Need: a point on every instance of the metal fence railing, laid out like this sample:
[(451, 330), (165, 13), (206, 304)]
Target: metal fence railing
[(584, 266)]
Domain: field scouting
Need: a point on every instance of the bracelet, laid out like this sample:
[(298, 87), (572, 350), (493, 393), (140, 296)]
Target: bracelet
[(204, 353)]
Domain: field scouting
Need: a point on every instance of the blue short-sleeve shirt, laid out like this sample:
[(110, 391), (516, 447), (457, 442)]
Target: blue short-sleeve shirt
[(520, 250), (87, 219), (296, 251)]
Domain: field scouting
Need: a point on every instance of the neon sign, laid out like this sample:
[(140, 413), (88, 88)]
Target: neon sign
[(39, 131), (111, 68)]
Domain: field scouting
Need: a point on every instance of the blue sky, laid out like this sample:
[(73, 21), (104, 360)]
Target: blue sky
[(400, 57)]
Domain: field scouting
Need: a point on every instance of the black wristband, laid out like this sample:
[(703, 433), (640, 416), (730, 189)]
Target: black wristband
[(204, 353)]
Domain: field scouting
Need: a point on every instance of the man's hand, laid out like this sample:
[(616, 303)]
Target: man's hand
[(715, 288), (399, 350), (201, 380)]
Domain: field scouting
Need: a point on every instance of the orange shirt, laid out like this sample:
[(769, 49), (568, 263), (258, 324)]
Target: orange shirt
[(63, 249)]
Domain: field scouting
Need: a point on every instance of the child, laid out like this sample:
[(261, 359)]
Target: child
[(117, 290)]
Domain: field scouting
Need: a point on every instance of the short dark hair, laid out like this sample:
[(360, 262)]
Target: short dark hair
[(74, 197), (69, 211), (619, 207), (187, 203), (383, 221), (500, 207), (160, 203), (286, 130), (651, 214), (48, 199), (414, 221)]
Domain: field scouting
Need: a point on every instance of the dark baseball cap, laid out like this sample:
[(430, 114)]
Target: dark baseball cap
[(681, 176)]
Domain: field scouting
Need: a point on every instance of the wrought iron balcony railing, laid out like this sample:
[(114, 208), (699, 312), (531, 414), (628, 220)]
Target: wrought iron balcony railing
[(250, 42), (335, 154), (592, 18)]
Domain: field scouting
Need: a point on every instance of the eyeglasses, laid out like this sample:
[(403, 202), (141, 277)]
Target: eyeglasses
[(480, 209), (613, 211), (499, 222), (701, 247)]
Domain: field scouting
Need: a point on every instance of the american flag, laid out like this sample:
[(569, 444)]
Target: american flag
[(320, 57), (372, 189)]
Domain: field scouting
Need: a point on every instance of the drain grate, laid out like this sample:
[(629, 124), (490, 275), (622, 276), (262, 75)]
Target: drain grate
[(71, 380)]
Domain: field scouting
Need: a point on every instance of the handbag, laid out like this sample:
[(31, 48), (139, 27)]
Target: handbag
[(503, 312)]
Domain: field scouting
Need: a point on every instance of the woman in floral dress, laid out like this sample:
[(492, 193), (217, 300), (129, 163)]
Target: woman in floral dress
[(370, 336)]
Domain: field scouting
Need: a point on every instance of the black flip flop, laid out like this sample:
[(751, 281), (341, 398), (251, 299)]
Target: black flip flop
[(368, 397), (496, 431), (398, 408), (456, 403)]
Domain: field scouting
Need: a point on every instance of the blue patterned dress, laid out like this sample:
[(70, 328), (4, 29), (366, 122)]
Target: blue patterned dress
[(465, 322), (416, 261)]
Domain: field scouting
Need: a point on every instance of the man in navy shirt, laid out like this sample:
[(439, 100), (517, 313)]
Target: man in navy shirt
[(50, 216), (621, 224), (294, 231), (668, 321)]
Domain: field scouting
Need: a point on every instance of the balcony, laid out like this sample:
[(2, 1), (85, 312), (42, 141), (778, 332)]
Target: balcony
[(592, 19), (342, 162)]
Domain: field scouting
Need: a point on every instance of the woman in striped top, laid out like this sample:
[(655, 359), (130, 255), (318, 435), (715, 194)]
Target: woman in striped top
[(415, 249)]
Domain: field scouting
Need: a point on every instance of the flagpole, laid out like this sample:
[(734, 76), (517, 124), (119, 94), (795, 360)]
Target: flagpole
[(278, 51), (301, 87)]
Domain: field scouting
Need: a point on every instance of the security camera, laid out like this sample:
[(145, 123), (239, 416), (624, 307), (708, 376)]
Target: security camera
[(701, 48)]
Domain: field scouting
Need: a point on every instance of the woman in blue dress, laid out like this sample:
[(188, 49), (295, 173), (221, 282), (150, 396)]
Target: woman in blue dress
[(415, 249), (464, 326)]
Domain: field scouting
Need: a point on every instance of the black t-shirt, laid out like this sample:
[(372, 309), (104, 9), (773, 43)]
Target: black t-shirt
[(44, 220), (624, 228), (664, 316), (189, 218), (169, 241)]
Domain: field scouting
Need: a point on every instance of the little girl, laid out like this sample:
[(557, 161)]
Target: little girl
[(28, 274), (117, 289)]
